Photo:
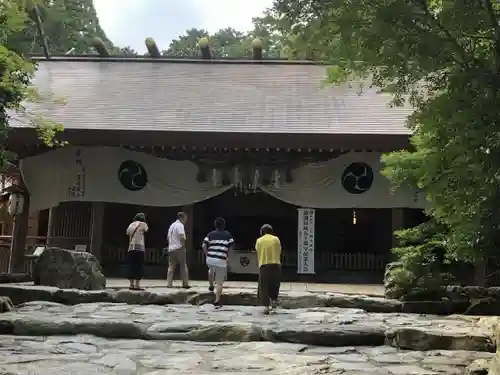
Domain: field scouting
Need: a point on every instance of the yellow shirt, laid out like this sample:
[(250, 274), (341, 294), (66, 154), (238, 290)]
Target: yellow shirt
[(268, 250)]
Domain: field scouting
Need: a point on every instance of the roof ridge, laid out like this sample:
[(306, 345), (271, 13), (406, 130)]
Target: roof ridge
[(180, 59)]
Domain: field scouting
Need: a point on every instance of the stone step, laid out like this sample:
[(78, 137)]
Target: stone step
[(89, 355), (323, 326), (20, 293)]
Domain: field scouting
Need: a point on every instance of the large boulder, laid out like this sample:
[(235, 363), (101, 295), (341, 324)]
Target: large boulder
[(68, 269)]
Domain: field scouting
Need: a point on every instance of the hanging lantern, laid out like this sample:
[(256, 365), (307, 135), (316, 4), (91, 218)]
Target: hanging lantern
[(216, 177), (276, 178), (15, 205), (354, 218), (237, 177), (256, 179)]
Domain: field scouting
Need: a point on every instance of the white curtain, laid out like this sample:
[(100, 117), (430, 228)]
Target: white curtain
[(319, 185), (91, 174)]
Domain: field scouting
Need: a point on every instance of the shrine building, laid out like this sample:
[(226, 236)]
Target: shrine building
[(255, 141)]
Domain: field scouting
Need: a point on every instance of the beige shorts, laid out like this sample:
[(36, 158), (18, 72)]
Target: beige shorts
[(220, 274)]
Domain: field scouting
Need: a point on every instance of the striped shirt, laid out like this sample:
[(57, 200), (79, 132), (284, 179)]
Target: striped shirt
[(218, 243)]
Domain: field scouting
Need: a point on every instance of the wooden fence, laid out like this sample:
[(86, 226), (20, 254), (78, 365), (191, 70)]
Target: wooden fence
[(327, 261)]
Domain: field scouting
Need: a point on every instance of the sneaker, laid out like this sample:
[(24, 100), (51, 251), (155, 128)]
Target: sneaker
[(170, 286), (266, 310), (274, 305), (211, 288), (186, 287), (217, 304)]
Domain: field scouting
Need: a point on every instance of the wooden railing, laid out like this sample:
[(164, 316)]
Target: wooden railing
[(354, 261), (119, 256), (340, 261)]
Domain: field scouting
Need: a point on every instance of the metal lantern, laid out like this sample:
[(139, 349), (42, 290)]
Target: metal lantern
[(237, 181), (216, 178), (15, 205), (276, 178), (256, 179)]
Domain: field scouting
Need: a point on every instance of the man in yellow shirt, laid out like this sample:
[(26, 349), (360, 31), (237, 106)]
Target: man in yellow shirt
[(268, 249)]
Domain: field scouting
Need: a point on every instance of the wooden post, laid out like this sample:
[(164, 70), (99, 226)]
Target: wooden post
[(97, 220), (398, 222), (19, 234), (49, 226), (189, 234)]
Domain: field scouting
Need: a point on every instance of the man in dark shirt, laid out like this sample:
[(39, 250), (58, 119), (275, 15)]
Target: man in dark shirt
[(217, 246)]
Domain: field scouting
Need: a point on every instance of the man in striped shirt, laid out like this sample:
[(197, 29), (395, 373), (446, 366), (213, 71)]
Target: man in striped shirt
[(216, 246)]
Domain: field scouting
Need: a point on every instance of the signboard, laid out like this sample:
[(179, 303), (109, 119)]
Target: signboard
[(244, 262), (305, 241)]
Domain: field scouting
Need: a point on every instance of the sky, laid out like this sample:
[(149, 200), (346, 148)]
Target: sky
[(129, 22)]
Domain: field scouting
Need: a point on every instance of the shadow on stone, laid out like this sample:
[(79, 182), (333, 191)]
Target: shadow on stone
[(427, 339)]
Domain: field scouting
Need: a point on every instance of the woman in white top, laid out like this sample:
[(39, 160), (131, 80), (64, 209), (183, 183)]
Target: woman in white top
[(136, 250)]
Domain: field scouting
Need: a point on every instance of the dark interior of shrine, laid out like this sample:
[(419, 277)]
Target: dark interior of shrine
[(345, 250)]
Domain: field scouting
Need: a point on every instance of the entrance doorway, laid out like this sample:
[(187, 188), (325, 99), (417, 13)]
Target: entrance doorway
[(244, 215)]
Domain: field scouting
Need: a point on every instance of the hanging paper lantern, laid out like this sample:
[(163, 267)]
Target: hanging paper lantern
[(276, 178), (216, 177), (256, 178), (15, 204), (236, 176)]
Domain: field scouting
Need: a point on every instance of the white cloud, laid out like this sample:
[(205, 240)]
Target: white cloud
[(129, 22)]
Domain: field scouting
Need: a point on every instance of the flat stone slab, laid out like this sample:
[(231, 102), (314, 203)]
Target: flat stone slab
[(90, 355), (314, 326), (20, 293)]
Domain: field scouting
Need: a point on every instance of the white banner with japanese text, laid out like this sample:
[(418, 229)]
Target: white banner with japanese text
[(112, 174), (305, 241)]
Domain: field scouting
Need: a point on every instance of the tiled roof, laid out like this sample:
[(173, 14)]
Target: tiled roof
[(173, 96)]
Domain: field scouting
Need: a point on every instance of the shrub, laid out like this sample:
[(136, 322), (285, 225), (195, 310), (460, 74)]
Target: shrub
[(418, 271)]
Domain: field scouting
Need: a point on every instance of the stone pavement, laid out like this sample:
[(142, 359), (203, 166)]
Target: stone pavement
[(20, 293), (313, 326), (90, 355), (171, 331), (365, 289)]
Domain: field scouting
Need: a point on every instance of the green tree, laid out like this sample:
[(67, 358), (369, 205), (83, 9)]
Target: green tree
[(229, 42), (68, 24), (15, 77), (127, 51), (187, 44), (443, 56)]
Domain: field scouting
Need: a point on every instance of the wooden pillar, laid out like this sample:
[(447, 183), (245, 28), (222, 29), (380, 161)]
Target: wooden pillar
[(19, 234), (189, 234), (398, 222), (96, 229), (50, 223)]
